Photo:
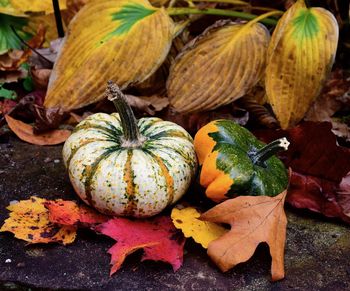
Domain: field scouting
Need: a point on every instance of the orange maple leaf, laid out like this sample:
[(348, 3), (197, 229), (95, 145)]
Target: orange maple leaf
[(253, 220)]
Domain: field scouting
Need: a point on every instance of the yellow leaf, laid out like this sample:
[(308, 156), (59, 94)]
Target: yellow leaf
[(123, 41), (29, 221), (49, 23), (301, 55), (36, 5), (219, 67), (203, 232)]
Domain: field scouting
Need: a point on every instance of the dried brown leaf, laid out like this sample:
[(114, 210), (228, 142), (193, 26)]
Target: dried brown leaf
[(25, 132)]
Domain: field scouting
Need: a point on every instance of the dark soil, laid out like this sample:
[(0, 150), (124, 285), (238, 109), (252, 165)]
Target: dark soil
[(317, 251)]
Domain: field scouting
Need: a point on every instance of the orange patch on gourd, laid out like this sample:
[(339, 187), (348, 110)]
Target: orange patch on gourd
[(216, 181), (203, 143), (168, 179)]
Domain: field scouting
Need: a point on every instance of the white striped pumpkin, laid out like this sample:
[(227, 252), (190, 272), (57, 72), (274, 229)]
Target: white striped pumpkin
[(134, 171)]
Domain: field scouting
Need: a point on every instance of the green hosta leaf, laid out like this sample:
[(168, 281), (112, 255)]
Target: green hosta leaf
[(4, 3), (8, 40), (129, 15), (7, 94), (305, 24)]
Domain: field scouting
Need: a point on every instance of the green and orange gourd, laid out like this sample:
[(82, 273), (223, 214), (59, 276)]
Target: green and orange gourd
[(128, 167), (234, 162)]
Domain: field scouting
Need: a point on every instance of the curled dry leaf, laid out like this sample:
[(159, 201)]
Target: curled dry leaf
[(218, 67), (258, 111), (29, 221), (88, 58), (253, 220), (40, 77), (335, 97), (25, 132), (158, 237), (203, 232), (300, 56), (148, 104)]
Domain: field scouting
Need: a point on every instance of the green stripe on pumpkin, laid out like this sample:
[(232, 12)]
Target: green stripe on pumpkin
[(108, 132), (90, 171), (86, 142)]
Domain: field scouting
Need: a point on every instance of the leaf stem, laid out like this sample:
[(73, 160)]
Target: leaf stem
[(30, 47), (223, 12), (132, 137), (58, 18)]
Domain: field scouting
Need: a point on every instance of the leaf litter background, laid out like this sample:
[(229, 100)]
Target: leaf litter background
[(311, 173)]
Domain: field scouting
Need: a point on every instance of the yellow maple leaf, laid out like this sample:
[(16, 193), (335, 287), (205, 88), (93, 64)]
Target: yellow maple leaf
[(29, 221), (203, 232)]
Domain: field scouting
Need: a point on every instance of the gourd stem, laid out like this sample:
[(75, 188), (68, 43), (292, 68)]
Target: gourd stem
[(127, 118), (269, 150)]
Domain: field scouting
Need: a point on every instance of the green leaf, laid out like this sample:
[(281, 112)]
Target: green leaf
[(129, 15), (4, 3), (7, 94), (8, 40), (28, 84), (305, 24)]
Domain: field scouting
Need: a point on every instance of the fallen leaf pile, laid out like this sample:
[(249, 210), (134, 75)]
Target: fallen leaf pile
[(173, 68), (38, 220)]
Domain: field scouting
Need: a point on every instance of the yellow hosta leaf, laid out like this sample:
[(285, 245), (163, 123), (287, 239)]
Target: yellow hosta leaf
[(300, 57), (29, 221), (218, 67), (49, 23), (203, 232), (123, 41), (36, 5)]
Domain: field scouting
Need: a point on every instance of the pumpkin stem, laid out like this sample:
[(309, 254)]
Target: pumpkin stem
[(132, 137), (269, 150)]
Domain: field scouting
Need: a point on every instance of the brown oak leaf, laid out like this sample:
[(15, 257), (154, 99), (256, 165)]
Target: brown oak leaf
[(253, 220)]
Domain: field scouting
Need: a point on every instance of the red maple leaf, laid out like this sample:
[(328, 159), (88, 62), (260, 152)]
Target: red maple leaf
[(158, 237)]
